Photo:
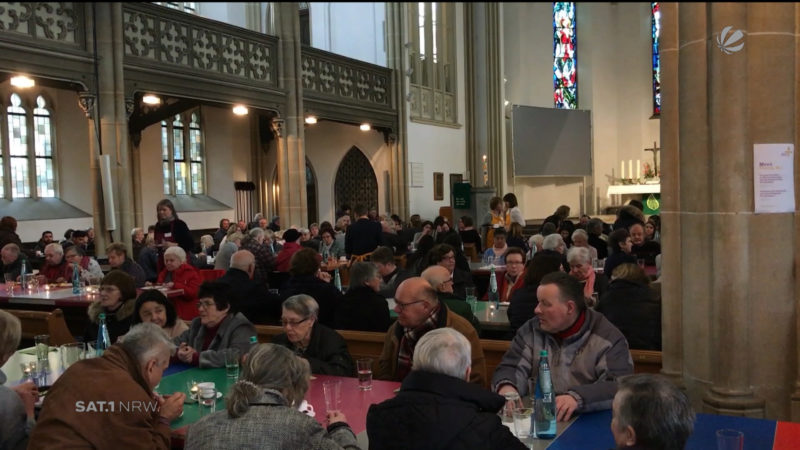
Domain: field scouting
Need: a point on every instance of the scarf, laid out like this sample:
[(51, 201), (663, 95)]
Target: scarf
[(405, 355), (588, 287), (561, 335)]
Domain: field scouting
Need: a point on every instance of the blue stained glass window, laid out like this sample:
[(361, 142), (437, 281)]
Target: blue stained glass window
[(655, 23), (565, 57)]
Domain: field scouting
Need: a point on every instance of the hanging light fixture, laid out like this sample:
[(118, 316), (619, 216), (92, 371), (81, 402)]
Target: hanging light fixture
[(365, 127), (311, 120), (240, 110), (150, 99), (22, 81)]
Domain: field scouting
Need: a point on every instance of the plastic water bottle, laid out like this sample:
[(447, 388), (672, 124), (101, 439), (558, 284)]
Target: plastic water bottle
[(253, 341), (494, 297), (544, 411), (76, 279), (325, 255), (103, 341), (337, 280), (23, 275)]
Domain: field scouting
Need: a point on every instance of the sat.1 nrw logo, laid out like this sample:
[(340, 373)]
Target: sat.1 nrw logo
[(730, 44)]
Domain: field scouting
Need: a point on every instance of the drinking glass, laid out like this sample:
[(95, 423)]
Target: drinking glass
[(512, 403), (488, 260), (208, 400), (333, 395), (232, 362), (522, 423), (364, 367), (72, 353), (33, 283), (730, 440), (42, 343), (9, 281)]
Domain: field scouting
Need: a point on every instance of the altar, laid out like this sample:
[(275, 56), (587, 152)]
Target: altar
[(626, 189)]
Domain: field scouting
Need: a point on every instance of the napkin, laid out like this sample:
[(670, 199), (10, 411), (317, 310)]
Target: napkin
[(306, 409)]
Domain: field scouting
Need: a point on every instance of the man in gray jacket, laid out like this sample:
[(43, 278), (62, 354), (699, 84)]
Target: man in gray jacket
[(585, 351)]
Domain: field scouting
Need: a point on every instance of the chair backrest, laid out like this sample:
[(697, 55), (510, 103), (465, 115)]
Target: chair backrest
[(471, 252), (211, 274), (44, 322)]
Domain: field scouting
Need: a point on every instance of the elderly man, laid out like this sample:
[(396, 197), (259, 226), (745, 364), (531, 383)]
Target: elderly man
[(441, 280), (11, 261), (554, 243), (248, 296), (55, 268), (650, 413), (587, 353), (118, 259), (391, 275), (436, 406), (122, 411), (418, 312)]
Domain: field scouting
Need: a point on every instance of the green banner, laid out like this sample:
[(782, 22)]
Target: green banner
[(461, 195), (652, 204)]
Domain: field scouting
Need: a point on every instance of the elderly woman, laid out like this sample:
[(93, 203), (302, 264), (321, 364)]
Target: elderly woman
[(329, 247), (170, 231), (325, 350), (265, 261), (177, 274), (16, 404), (89, 267), (306, 278), (631, 305), (137, 242), (117, 300), (524, 300), (217, 328), (580, 263), (153, 306), (226, 250), (619, 245), (262, 409), (362, 308), (580, 238), (445, 256)]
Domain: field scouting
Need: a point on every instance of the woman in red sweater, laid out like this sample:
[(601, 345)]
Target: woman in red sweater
[(177, 274)]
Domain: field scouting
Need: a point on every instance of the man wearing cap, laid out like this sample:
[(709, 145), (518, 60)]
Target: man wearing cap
[(290, 247)]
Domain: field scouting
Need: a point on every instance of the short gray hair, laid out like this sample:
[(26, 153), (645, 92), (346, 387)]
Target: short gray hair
[(580, 255), (302, 304), (361, 272), (580, 232), (256, 232), (444, 351), (656, 409), (56, 247), (146, 340), (176, 251), (552, 242), (10, 335)]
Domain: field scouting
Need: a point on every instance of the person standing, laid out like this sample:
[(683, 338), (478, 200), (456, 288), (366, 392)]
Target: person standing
[(170, 231), (514, 213), (362, 237)]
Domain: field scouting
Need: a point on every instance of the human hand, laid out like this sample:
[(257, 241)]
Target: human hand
[(324, 276), (335, 416), (169, 285), (185, 353), (147, 283), (171, 407), (565, 407), (29, 394), (510, 405)]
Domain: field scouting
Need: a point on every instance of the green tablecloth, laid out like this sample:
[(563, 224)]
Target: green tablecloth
[(177, 383), (481, 306)]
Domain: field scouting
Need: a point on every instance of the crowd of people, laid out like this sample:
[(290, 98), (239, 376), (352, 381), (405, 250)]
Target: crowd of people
[(558, 302)]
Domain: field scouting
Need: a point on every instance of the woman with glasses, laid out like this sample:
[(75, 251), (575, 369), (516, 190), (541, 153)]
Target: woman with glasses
[(325, 350), (580, 264), (514, 276), (444, 255), (217, 327), (117, 300), (362, 308)]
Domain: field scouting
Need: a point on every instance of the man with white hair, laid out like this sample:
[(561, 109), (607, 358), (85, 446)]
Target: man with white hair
[(248, 296), (108, 402), (11, 261), (436, 406), (554, 244), (55, 268)]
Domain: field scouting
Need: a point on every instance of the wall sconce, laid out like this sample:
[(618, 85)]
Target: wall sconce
[(22, 81), (240, 110), (150, 99), (365, 127), (311, 120)]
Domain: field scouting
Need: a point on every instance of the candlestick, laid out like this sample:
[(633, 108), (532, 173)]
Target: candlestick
[(630, 168), (622, 169), (638, 169)]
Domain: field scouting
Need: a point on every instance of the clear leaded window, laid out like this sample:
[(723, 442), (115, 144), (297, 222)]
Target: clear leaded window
[(26, 165), (182, 154), (189, 7), (565, 56)]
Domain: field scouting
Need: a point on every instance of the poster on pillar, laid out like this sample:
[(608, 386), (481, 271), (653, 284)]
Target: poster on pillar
[(773, 178)]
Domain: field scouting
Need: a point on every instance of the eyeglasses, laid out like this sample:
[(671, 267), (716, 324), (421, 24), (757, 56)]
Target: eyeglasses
[(402, 306), (205, 305), (287, 323)]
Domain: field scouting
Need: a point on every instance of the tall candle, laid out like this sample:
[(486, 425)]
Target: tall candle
[(638, 169), (630, 168), (622, 169)]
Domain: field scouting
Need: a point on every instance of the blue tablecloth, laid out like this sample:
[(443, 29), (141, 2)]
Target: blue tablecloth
[(176, 367)]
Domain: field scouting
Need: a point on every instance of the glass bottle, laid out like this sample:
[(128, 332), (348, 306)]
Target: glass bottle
[(494, 297), (337, 280), (544, 408), (76, 279), (103, 341)]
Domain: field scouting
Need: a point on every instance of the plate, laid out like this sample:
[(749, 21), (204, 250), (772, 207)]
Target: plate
[(219, 395)]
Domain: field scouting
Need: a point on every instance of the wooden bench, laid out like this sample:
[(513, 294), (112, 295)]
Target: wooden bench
[(52, 323), (369, 344)]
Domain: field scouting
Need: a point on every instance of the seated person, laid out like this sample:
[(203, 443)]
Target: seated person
[(118, 259), (117, 300), (247, 295), (148, 259), (498, 249), (644, 249), (223, 259), (469, 235), (619, 246), (523, 301), (217, 328), (264, 259), (362, 307), (16, 403), (554, 244), (55, 268), (329, 247), (580, 262), (630, 304), (419, 311), (514, 276), (596, 239), (129, 371), (307, 278), (391, 239), (427, 230), (273, 377), (391, 275), (437, 407), (516, 238), (153, 306), (11, 261), (651, 413), (325, 350), (439, 278), (593, 352), (581, 239), (444, 255), (290, 247), (178, 274), (47, 237), (89, 267)]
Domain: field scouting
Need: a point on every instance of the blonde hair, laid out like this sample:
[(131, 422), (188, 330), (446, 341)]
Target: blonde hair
[(10, 335)]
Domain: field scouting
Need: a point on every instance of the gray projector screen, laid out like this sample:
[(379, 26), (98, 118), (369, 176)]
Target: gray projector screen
[(551, 142)]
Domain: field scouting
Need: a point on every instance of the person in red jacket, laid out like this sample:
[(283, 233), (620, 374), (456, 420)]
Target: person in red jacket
[(55, 268), (514, 275), (177, 274), (290, 247)]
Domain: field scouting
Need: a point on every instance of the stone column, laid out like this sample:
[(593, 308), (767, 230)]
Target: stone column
[(87, 102), (291, 146), (494, 115), (470, 126), (397, 142)]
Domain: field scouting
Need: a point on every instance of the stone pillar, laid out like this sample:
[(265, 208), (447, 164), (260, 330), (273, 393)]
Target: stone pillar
[(87, 102), (470, 126), (291, 146), (494, 115), (737, 270), (397, 142)]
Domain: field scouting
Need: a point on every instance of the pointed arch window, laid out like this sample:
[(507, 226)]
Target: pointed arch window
[(565, 56), (182, 154), (27, 144), (655, 29)]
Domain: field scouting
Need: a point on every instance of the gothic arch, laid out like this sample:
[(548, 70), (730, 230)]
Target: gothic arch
[(355, 182), (312, 193)]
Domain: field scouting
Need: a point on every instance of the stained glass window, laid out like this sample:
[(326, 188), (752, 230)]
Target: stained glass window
[(43, 147), (28, 158), (565, 58), (655, 10), (182, 175), (18, 148)]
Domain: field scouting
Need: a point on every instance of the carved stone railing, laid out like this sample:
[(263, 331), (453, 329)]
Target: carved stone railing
[(334, 77), (59, 23), (158, 36)]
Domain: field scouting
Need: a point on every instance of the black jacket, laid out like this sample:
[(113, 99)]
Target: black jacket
[(252, 298), (523, 302), (616, 259), (435, 411), (363, 236), (647, 251), (362, 309), (632, 308), (600, 245), (326, 353), (326, 295), (461, 279)]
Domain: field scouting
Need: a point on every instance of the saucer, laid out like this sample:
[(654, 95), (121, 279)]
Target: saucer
[(194, 396)]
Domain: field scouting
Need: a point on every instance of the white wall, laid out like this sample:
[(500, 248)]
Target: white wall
[(614, 82), (355, 30), (438, 148), (232, 13)]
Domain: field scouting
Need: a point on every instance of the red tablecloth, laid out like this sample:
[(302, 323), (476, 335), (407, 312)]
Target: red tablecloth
[(355, 402)]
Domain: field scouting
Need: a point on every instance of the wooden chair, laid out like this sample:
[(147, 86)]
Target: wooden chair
[(471, 252), (211, 274), (44, 322)]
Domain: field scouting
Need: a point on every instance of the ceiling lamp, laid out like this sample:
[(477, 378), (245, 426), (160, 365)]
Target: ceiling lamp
[(150, 99), (22, 81), (365, 127), (240, 110), (311, 120)]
